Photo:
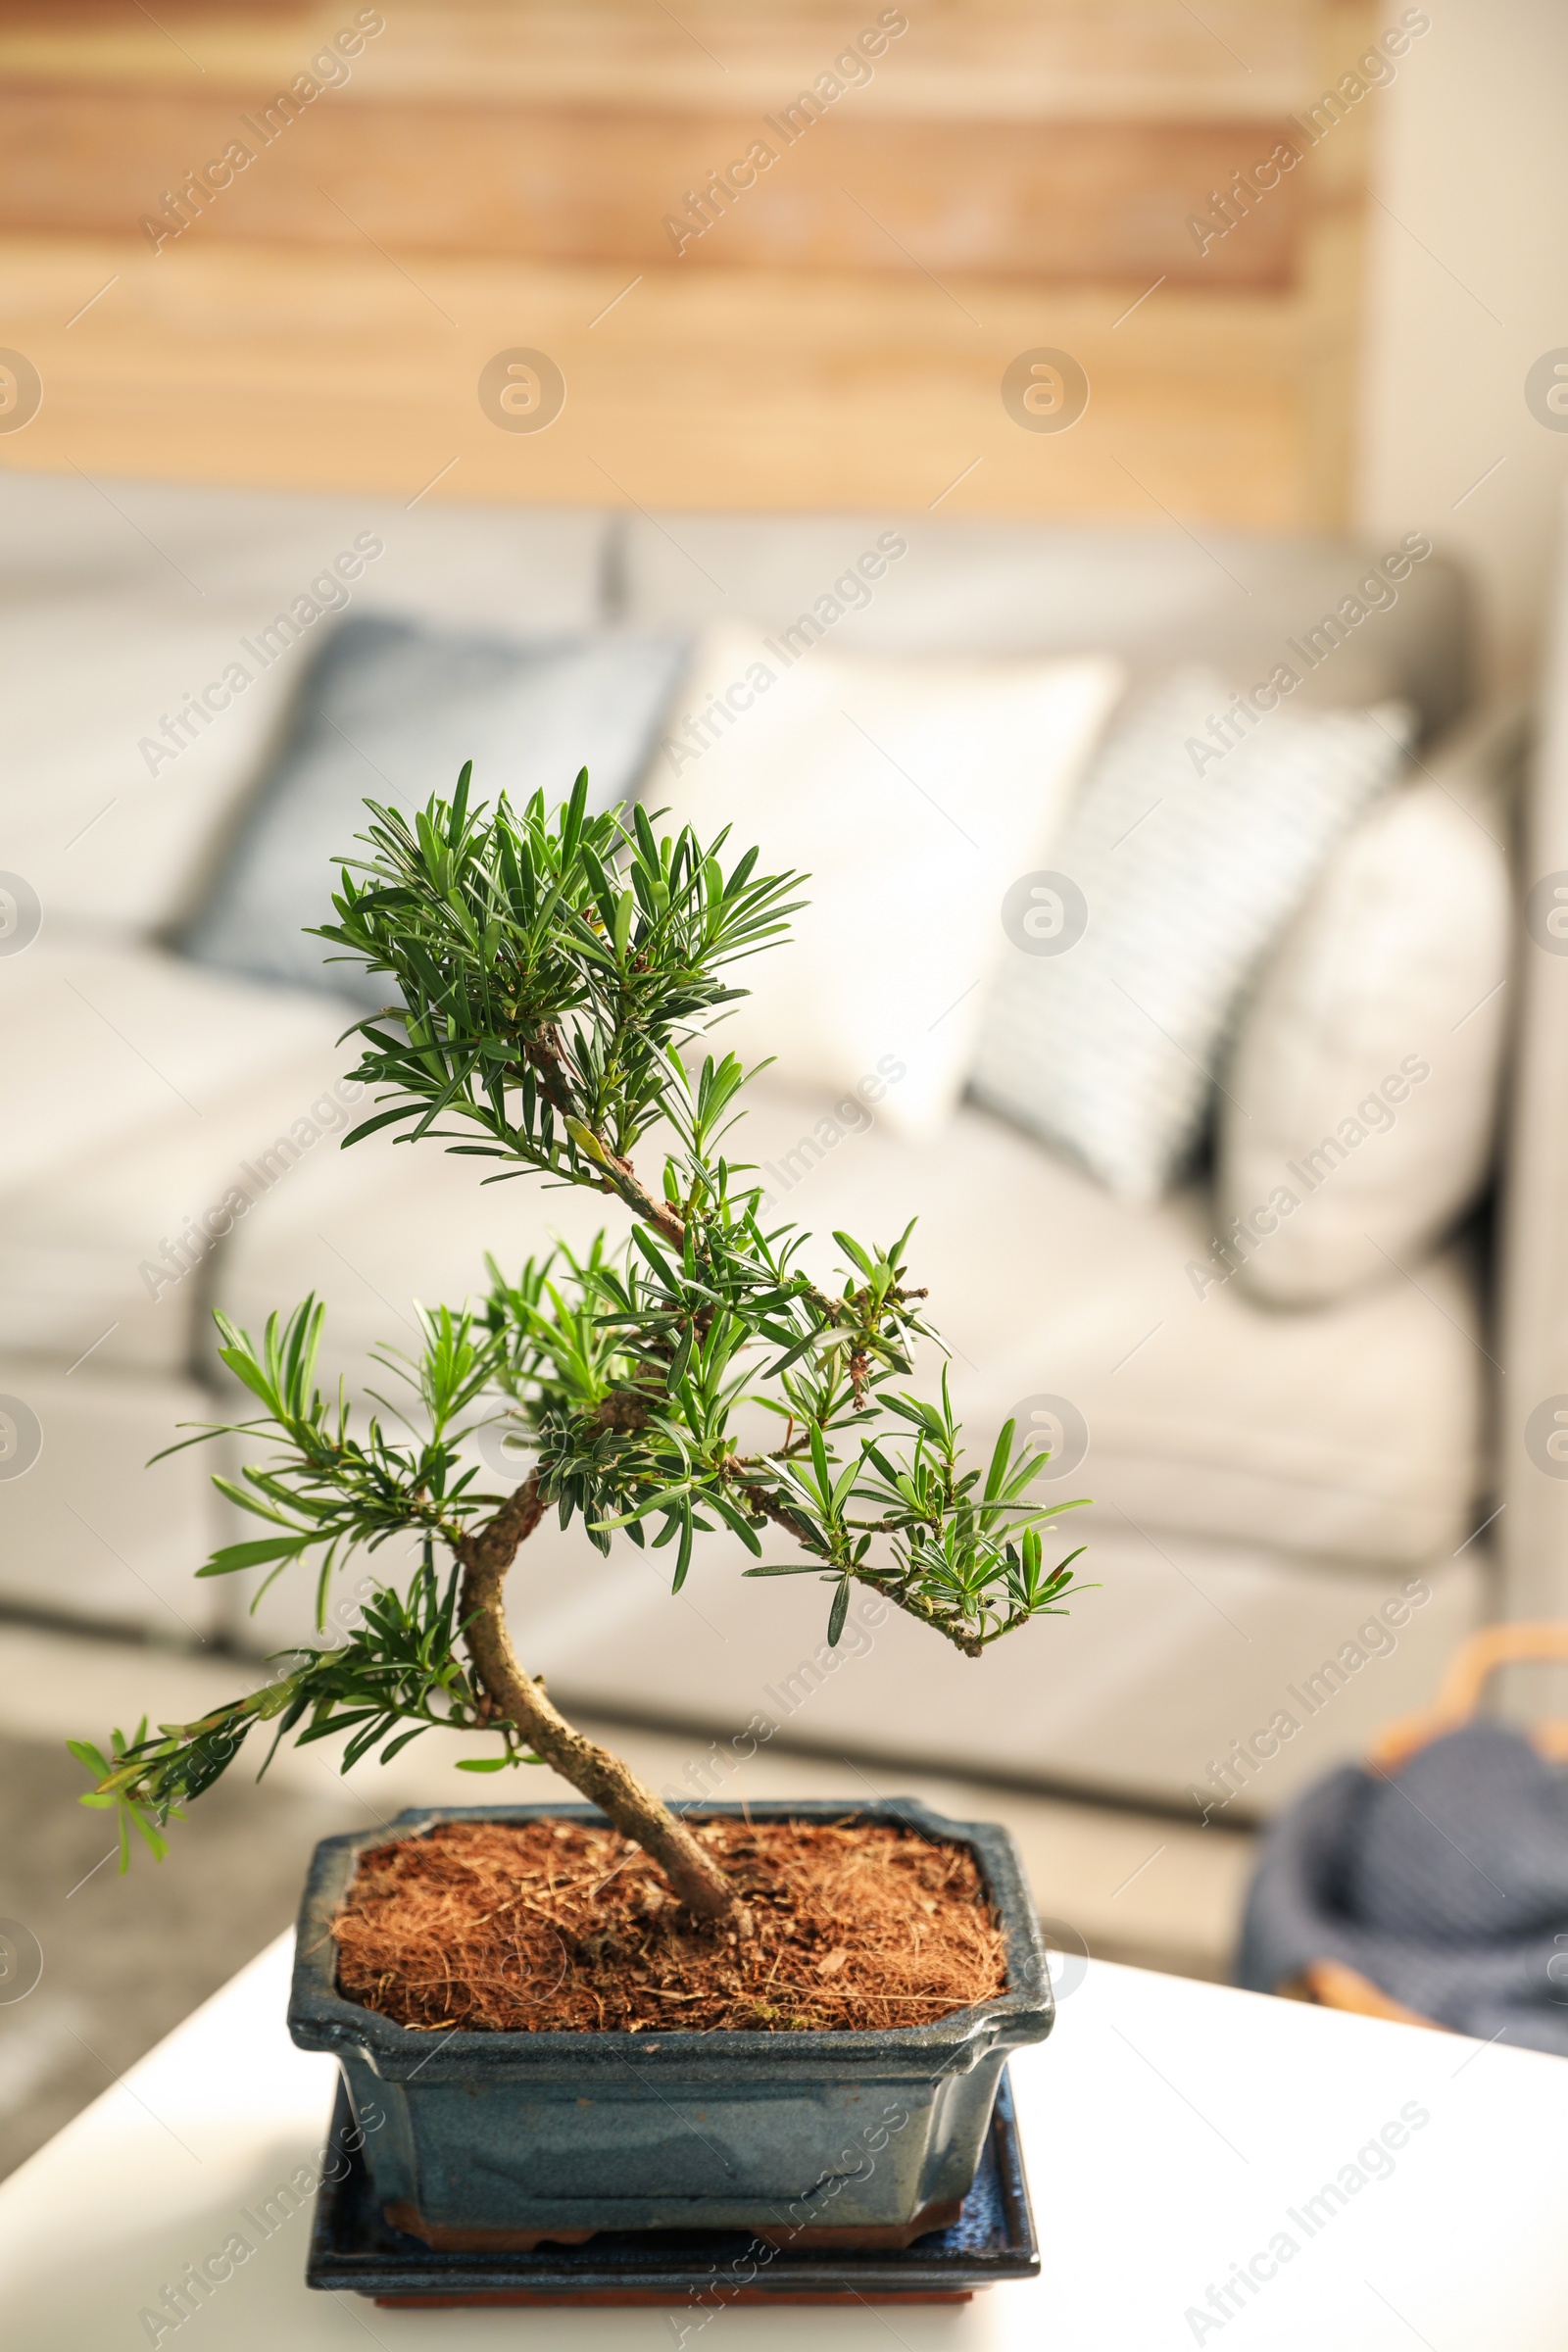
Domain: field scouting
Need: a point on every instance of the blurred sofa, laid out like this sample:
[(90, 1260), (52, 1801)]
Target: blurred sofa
[(1266, 1481)]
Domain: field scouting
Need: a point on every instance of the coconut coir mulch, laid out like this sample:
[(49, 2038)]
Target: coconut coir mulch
[(549, 1927)]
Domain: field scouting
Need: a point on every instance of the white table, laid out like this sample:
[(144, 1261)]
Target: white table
[(1170, 2128)]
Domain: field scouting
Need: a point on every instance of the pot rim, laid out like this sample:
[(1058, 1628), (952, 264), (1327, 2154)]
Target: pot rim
[(321, 2018)]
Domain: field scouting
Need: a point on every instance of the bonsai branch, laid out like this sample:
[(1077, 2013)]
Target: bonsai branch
[(548, 1061), (763, 1499), (485, 1556)]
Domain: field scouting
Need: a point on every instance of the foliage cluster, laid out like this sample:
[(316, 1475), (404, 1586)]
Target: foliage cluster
[(552, 978)]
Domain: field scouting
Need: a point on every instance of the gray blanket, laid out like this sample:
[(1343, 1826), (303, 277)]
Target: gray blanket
[(1446, 1885)]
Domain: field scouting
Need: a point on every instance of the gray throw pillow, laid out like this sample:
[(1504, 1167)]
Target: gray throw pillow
[(390, 712), (1193, 842)]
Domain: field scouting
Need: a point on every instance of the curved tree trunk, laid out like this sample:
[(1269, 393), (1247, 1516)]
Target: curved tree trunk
[(593, 1771)]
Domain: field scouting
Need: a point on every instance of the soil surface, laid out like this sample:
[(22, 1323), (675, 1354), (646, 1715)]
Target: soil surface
[(549, 1927)]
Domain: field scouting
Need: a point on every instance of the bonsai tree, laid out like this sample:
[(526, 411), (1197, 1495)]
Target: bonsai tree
[(552, 978)]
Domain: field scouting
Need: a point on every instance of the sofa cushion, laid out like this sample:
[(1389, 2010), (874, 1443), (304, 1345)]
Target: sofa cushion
[(1364, 1082), (1181, 1648), (391, 713), (1223, 1440), (374, 1229), (1103, 1031), (139, 1090), (1153, 598), (1176, 1650), (499, 567), (913, 794), (1353, 1431), (94, 1528), (119, 604), (107, 831)]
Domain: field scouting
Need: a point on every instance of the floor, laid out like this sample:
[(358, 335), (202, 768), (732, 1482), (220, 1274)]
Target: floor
[(123, 1959)]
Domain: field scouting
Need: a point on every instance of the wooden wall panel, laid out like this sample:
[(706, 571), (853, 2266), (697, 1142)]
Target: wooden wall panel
[(1077, 203), (1017, 174)]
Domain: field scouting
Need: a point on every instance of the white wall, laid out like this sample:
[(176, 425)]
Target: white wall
[(1467, 285)]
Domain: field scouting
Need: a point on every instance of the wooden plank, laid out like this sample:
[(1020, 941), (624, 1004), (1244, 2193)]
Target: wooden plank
[(748, 389), (1077, 202), (998, 60)]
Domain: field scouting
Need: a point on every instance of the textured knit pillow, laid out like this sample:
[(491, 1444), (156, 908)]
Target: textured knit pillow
[(1362, 1091), (390, 712), (910, 793), (1127, 959)]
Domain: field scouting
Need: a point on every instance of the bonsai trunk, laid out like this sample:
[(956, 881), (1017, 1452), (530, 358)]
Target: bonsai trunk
[(592, 1770)]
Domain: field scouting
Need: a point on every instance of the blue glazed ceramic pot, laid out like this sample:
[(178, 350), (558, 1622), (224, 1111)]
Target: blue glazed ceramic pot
[(481, 2141)]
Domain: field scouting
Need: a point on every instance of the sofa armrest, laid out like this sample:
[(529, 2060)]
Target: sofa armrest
[(1532, 1345)]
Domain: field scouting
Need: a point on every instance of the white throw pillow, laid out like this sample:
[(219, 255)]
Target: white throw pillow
[(1364, 1081), (1114, 998), (913, 793)]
